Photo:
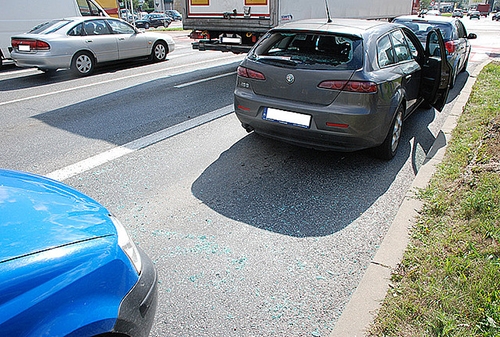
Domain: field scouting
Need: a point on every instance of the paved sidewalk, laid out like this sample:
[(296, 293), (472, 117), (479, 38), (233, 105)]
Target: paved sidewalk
[(361, 310)]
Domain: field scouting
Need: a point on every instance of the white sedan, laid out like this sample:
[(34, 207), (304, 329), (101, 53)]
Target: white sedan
[(80, 43)]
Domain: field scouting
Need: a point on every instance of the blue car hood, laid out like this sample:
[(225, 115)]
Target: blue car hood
[(37, 214)]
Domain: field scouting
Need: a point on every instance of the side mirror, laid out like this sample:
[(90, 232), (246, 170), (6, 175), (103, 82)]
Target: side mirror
[(472, 36)]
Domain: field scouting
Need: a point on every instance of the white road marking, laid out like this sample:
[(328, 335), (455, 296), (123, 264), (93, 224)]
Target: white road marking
[(203, 80), (114, 79), (120, 151)]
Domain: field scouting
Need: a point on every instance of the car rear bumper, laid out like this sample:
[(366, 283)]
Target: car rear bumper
[(138, 308), (39, 60), (366, 127)]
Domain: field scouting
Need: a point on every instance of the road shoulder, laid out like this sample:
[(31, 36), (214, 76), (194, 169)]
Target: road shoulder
[(362, 308)]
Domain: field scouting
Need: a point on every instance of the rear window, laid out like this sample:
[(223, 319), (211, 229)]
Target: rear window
[(49, 27), (309, 50), (421, 28)]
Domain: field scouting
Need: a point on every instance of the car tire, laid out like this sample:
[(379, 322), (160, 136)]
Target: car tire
[(49, 72), (159, 51), (146, 26), (83, 64), (453, 77), (464, 68), (387, 150)]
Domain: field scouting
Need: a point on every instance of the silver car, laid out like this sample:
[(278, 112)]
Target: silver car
[(345, 86), (81, 43)]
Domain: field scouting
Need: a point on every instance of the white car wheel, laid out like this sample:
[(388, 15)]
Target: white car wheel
[(83, 64), (159, 52)]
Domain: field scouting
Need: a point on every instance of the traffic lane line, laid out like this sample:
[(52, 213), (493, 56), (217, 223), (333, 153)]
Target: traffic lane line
[(120, 151)]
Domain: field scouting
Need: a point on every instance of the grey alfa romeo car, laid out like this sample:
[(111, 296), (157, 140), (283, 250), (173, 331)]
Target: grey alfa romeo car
[(344, 85)]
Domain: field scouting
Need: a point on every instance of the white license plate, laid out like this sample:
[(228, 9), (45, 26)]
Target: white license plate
[(24, 47), (287, 117), (234, 40)]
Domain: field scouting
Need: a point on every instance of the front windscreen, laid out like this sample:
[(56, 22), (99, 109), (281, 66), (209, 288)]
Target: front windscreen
[(89, 8), (314, 50)]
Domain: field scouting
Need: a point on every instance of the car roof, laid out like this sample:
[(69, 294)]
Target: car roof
[(86, 18), (344, 26), (427, 18)]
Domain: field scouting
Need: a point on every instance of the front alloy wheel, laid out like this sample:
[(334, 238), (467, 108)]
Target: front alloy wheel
[(159, 52)]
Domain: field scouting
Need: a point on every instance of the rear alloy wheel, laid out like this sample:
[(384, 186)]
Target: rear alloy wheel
[(146, 25), (83, 64), (387, 150), (159, 52)]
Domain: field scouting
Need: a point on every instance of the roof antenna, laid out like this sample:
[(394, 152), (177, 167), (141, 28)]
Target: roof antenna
[(328, 12)]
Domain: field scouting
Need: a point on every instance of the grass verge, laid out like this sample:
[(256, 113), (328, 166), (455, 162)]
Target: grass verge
[(448, 283)]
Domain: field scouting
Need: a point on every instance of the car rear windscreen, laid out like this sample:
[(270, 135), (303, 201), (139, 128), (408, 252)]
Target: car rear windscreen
[(49, 27), (421, 28), (310, 50)]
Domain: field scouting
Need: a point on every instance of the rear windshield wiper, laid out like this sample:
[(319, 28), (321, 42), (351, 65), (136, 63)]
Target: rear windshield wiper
[(285, 60)]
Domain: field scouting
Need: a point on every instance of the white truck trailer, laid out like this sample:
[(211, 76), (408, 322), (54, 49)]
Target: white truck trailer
[(235, 25), (19, 16)]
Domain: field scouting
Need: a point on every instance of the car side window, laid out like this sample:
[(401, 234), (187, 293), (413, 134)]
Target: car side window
[(77, 30), (119, 27), (101, 28), (462, 32), (385, 53), (402, 52), (433, 45), (413, 49), (96, 27)]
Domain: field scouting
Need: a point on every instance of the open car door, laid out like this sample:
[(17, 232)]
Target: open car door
[(436, 71)]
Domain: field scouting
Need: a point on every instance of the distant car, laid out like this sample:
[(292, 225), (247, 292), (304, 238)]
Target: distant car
[(475, 15), (81, 43), (455, 35), (153, 20), (68, 267), (496, 16), (343, 86), (457, 14), (433, 12), (173, 14)]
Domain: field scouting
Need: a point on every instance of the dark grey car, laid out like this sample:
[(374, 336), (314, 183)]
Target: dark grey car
[(346, 85), (455, 37)]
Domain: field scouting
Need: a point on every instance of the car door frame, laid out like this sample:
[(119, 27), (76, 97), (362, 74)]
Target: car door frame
[(436, 74)]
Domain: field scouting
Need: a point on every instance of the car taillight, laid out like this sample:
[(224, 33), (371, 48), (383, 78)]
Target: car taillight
[(249, 73), (451, 46), (30, 44), (351, 86)]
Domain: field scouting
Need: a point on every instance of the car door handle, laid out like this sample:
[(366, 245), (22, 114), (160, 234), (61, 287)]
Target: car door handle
[(121, 38), (89, 41)]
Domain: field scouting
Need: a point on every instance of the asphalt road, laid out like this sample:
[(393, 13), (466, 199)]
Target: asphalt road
[(250, 237)]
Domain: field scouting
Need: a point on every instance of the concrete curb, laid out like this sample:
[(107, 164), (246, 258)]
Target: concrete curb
[(362, 308)]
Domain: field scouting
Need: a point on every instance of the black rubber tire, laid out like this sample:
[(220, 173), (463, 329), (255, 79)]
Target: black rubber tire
[(453, 77), (83, 64), (49, 72), (159, 51), (146, 25), (464, 68), (387, 150)]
